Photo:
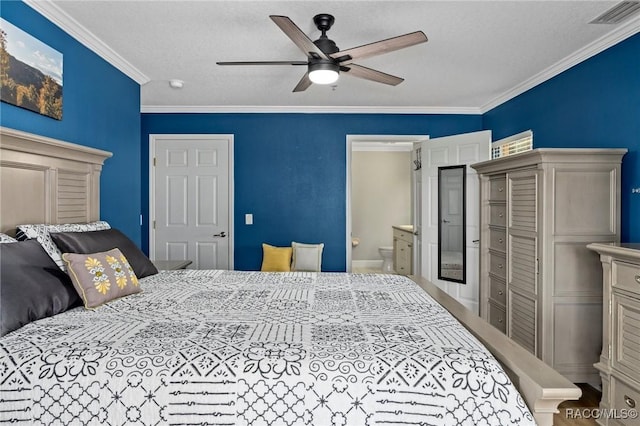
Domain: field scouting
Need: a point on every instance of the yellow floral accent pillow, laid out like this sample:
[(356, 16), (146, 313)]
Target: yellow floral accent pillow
[(101, 277), (276, 259)]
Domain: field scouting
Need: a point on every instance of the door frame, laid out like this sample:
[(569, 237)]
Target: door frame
[(152, 190), (373, 142)]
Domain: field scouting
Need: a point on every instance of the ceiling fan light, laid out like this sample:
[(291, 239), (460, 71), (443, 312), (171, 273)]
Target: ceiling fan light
[(323, 76), (323, 72)]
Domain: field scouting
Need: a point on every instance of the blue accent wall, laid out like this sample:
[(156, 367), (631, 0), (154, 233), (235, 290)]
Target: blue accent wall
[(101, 109), (595, 104), (290, 171)]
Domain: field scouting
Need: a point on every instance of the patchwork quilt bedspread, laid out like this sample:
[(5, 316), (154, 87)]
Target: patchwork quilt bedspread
[(255, 348)]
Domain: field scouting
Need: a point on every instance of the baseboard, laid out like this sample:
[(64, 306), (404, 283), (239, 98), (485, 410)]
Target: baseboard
[(373, 264)]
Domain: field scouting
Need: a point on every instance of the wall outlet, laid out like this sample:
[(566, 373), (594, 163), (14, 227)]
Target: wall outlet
[(248, 219), (635, 190)]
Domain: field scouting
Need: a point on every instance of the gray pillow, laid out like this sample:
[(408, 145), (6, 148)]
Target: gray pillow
[(101, 277), (99, 241), (33, 287)]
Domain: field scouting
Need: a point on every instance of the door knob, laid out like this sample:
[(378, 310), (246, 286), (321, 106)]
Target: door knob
[(222, 235)]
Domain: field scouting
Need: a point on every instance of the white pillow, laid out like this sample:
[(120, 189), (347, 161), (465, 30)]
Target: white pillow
[(307, 257), (4, 238), (41, 233)]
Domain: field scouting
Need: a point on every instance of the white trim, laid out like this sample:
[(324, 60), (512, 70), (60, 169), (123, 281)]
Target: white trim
[(152, 153), (367, 264), (366, 139), (621, 33), (208, 109), (72, 27)]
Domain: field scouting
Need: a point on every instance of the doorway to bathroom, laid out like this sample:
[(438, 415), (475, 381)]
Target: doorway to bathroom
[(453, 150), (380, 186)]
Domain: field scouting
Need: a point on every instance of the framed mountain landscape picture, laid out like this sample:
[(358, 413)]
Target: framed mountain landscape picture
[(30, 72)]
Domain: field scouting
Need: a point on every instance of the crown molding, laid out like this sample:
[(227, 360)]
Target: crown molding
[(72, 27), (222, 109), (624, 31)]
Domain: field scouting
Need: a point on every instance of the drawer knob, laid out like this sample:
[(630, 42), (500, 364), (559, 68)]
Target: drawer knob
[(500, 320), (501, 215), (501, 189), (629, 401), (500, 266), (500, 240), (638, 279), (500, 293)]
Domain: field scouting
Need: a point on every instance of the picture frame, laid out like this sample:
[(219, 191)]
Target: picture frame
[(30, 72)]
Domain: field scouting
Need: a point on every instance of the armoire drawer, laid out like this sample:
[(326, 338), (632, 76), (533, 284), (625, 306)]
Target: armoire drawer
[(497, 265), (624, 399), (626, 335), (498, 189), (497, 317), (626, 276), (498, 290), (498, 239), (498, 214)]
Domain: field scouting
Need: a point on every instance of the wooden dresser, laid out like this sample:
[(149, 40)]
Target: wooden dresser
[(539, 283), (619, 364)]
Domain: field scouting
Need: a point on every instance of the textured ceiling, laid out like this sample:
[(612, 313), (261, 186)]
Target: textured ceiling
[(477, 53)]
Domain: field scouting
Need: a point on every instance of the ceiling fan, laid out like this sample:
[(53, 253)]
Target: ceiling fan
[(325, 61)]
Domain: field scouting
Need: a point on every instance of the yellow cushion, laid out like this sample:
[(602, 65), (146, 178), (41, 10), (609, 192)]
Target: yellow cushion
[(276, 259)]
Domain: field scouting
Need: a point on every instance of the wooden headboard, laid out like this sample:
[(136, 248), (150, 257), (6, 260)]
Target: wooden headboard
[(44, 180)]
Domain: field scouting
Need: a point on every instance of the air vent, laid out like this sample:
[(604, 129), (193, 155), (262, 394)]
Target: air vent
[(618, 13)]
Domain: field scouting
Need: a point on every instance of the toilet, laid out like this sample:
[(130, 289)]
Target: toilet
[(387, 259)]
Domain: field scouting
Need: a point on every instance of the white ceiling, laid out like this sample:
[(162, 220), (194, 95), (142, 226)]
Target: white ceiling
[(479, 53)]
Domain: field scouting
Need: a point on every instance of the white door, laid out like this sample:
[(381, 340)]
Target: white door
[(191, 199), (465, 149)]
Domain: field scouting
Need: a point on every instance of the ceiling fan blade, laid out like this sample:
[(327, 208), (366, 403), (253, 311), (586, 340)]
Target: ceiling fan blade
[(379, 47), (370, 74), (263, 63), (298, 37), (303, 84)]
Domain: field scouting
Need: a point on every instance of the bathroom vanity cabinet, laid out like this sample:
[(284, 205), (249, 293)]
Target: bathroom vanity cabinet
[(539, 283), (403, 249)]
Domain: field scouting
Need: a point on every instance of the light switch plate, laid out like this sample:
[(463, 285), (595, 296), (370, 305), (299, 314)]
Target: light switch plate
[(248, 219)]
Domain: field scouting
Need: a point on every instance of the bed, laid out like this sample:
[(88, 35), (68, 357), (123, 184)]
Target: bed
[(240, 348)]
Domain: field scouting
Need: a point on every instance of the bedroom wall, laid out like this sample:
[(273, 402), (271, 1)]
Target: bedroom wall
[(101, 109), (290, 171), (595, 104)]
